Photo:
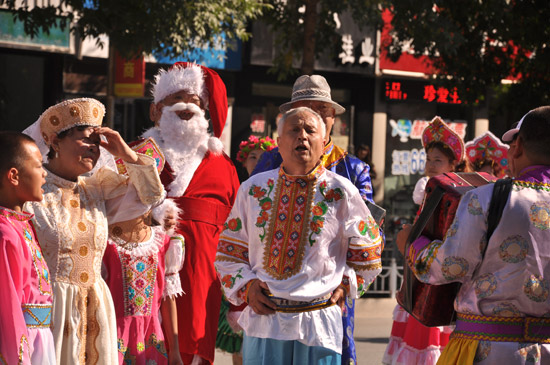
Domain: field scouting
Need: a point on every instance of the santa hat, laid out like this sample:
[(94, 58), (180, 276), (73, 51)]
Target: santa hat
[(198, 80)]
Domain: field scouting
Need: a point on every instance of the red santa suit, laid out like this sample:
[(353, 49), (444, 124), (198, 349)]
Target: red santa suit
[(206, 202)]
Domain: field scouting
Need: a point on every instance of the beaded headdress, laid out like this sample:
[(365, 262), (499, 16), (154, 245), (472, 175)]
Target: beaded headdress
[(488, 147), (254, 143), (68, 114), (438, 131)]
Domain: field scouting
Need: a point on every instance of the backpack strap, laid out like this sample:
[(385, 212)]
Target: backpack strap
[(501, 192)]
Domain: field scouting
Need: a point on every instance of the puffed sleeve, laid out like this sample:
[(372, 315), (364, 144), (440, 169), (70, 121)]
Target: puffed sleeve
[(144, 178), (14, 347), (364, 247), (232, 262), (456, 257), (173, 260)]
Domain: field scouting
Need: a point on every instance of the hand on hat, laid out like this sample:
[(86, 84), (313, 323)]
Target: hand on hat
[(114, 143)]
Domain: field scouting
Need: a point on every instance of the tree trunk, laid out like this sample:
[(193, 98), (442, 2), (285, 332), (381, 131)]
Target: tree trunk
[(110, 112), (310, 24)]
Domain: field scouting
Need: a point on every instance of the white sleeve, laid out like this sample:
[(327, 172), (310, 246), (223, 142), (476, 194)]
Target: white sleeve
[(173, 261)]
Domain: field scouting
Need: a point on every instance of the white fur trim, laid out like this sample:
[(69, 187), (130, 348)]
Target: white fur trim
[(215, 145), (167, 206), (189, 79)]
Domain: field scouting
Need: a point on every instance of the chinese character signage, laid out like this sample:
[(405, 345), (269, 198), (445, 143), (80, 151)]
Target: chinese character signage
[(418, 91), (356, 51), (258, 123), (129, 77)]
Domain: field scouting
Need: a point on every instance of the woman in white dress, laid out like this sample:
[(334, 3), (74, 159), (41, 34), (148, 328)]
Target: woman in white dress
[(71, 223)]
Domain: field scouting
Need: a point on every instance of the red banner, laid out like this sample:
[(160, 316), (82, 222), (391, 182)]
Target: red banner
[(129, 76)]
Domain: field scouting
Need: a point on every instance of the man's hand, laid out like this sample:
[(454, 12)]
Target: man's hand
[(402, 236), (339, 297), (170, 221), (257, 300)]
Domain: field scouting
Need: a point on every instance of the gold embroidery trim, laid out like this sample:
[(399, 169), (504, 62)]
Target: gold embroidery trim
[(310, 188)]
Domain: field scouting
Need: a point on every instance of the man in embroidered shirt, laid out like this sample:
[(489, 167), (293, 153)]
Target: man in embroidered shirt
[(314, 92), (297, 241), (503, 302)]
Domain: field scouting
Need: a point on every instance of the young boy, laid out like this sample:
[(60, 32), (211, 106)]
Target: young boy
[(25, 291)]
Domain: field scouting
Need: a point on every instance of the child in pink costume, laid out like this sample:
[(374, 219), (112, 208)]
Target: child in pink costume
[(411, 342), (141, 267), (25, 293)]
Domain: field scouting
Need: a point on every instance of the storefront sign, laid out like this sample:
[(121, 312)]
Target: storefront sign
[(417, 91), (12, 33), (405, 146), (129, 77)]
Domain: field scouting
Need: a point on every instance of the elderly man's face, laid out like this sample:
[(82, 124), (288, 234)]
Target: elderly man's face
[(325, 110), (178, 97), (300, 143)]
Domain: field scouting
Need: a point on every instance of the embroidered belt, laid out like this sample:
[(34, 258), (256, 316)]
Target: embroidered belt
[(37, 315), (502, 329), (294, 306), (204, 211)]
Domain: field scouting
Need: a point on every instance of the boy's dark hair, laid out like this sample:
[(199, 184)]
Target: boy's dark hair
[(12, 145), (535, 132)]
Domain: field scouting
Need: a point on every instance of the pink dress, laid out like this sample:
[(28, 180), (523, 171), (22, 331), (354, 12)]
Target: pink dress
[(139, 276), (25, 294)]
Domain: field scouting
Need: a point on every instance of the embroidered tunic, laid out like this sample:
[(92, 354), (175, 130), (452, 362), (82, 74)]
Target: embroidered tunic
[(303, 236), (139, 278), (512, 280), (25, 294), (71, 223)]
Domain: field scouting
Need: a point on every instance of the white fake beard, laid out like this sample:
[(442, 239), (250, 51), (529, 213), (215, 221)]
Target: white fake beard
[(185, 143)]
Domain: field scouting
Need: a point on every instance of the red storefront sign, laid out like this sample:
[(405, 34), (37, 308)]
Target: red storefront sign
[(129, 76)]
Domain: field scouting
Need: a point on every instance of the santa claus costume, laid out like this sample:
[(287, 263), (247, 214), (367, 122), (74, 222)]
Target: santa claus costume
[(203, 181)]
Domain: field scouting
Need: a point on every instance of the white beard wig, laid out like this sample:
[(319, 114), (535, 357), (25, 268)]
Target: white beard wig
[(184, 143)]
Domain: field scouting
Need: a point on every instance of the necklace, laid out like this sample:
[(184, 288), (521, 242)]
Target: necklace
[(124, 237)]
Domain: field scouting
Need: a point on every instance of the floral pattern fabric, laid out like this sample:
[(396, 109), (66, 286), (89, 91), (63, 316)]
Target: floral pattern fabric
[(137, 278), (513, 278)]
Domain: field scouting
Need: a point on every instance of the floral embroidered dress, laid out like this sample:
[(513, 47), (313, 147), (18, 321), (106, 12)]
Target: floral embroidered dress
[(25, 294), (303, 236), (503, 304), (140, 275), (71, 224)]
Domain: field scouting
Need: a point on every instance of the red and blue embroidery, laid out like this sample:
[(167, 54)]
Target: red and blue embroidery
[(288, 227), (231, 249), (139, 277)]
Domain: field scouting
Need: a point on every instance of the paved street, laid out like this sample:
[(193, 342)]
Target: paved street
[(373, 320)]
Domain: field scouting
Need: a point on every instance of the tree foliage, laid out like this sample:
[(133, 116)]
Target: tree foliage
[(304, 29), (479, 43), (168, 27)]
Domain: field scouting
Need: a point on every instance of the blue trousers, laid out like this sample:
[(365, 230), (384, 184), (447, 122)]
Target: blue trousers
[(267, 351)]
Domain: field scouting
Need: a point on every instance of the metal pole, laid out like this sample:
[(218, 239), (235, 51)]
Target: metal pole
[(393, 277)]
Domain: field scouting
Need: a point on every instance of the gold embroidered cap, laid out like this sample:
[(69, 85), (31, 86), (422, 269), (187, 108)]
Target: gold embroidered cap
[(69, 114)]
